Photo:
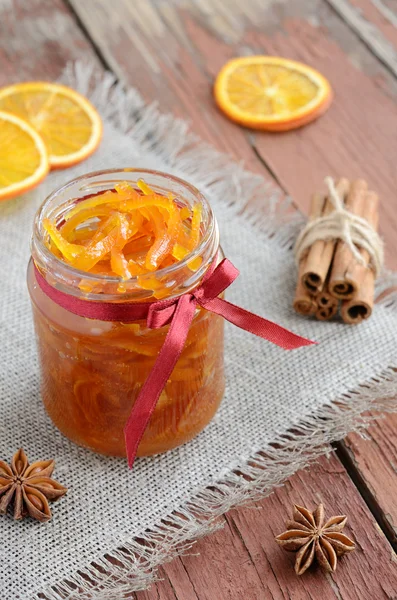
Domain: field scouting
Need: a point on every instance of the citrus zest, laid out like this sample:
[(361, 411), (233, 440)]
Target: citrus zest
[(68, 250), (127, 232)]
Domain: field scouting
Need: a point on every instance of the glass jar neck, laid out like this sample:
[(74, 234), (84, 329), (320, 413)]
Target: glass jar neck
[(174, 280)]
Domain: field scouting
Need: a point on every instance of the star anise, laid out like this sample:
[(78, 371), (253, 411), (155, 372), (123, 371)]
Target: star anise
[(311, 538), (28, 487)]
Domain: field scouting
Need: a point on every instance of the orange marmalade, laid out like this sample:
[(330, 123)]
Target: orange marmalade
[(124, 236)]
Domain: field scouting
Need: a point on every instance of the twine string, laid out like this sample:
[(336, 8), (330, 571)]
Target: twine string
[(353, 230)]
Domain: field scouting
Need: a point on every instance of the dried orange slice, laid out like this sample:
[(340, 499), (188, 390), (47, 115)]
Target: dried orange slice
[(23, 156), (68, 123), (267, 92)]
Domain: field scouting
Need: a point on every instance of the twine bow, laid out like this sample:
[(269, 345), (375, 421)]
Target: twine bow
[(178, 313), (342, 224)]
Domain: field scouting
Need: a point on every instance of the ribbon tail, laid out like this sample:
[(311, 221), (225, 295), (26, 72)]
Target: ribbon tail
[(162, 369), (257, 325)]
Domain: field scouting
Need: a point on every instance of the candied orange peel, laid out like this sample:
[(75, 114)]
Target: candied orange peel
[(126, 232)]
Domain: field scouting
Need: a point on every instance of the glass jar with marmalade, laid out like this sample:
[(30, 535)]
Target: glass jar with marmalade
[(124, 236)]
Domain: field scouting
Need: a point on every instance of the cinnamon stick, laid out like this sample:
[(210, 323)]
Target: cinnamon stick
[(318, 260), (347, 275), (354, 311), (360, 307), (304, 303), (327, 305)]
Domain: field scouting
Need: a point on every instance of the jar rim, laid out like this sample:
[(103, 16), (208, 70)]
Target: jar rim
[(45, 258)]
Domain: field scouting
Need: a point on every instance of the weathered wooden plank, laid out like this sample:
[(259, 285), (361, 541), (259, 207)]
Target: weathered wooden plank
[(387, 5), (328, 482), (382, 15), (375, 24), (374, 459), (150, 49), (243, 561), (37, 39), (163, 590), (158, 67)]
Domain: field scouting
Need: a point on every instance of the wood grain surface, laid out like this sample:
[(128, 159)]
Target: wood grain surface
[(243, 562), (376, 25), (372, 461), (171, 50), (37, 39)]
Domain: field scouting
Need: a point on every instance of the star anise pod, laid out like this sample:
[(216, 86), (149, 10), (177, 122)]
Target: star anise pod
[(28, 487), (311, 538)]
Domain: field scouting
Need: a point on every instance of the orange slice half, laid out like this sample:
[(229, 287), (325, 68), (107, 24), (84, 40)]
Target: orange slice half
[(23, 157), (271, 93), (68, 123)]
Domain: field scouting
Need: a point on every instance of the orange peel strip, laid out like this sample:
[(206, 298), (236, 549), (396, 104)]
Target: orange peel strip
[(125, 232)]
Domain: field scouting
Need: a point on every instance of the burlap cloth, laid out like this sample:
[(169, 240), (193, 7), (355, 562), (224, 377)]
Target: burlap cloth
[(318, 392)]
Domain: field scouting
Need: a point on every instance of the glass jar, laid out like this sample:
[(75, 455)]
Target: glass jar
[(91, 370)]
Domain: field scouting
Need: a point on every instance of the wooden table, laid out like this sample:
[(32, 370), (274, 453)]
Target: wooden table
[(171, 51)]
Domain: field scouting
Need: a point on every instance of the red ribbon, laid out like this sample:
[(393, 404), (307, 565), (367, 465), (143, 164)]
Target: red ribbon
[(178, 313)]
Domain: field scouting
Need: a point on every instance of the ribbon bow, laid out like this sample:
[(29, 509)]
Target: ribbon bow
[(178, 313)]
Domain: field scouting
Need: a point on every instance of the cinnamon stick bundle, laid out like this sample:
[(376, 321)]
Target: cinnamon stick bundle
[(330, 272)]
